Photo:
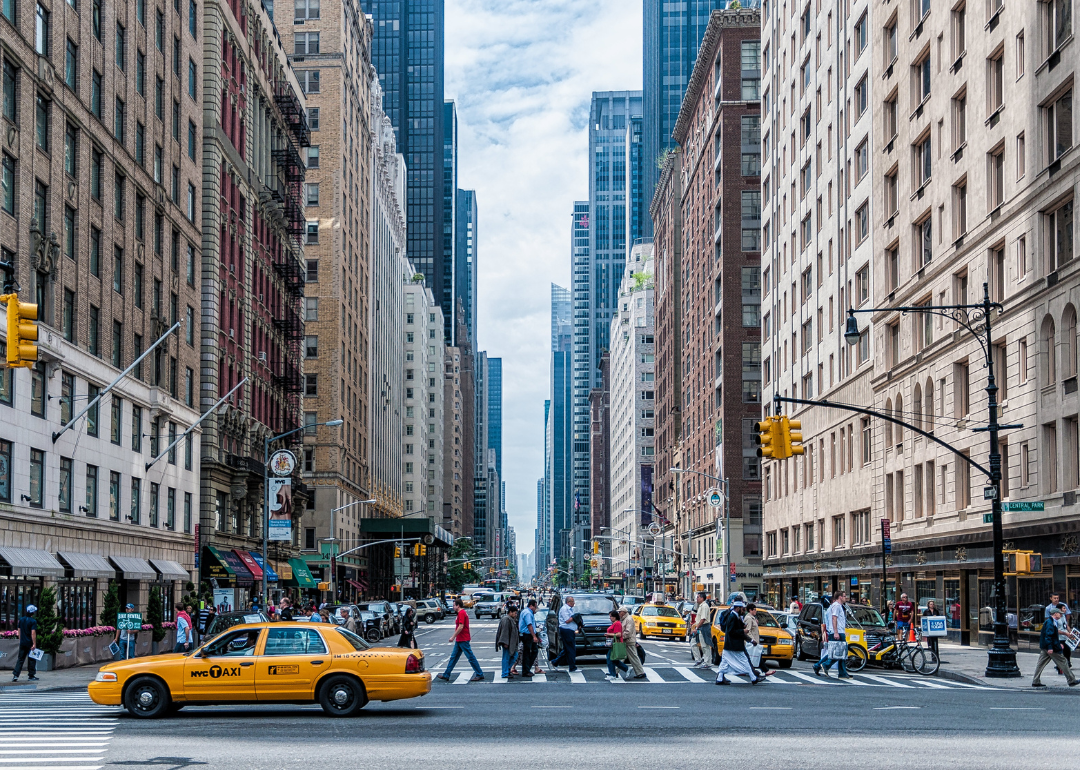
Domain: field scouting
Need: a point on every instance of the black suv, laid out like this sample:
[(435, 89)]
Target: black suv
[(594, 609), (808, 629), (381, 610)]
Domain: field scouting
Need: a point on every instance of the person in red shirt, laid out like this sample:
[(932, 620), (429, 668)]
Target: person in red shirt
[(462, 640), (904, 613)]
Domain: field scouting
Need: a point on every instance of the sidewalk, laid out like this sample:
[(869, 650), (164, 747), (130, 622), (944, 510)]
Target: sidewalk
[(75, 678), (968, 664)]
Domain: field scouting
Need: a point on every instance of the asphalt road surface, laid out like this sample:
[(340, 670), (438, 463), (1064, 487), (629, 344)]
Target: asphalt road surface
[(674, 719)]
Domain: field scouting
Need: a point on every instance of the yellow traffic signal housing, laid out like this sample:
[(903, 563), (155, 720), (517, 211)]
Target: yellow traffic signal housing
[(325, 586), (768, 438), (397, 552), (596, 546), (22, 331), (792, 440), (423, 550)]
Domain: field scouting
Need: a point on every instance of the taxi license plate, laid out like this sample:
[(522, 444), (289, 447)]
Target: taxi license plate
[(667, 630)]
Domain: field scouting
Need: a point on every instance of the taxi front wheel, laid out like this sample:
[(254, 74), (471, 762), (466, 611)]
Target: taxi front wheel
[(147, 698), (342, 696)]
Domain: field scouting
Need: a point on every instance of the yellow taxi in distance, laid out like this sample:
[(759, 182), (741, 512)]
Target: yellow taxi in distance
[(659, 620), (266, 663), (777, 644)]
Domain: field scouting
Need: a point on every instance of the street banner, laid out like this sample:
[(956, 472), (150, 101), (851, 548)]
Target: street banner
[(223, 599), (280, 509)]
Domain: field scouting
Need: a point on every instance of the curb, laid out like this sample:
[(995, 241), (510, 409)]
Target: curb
[(956, 676), (36, 689)]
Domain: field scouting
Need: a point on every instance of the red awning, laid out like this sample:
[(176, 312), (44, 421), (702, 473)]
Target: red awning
[(250, 563), (356, 585)]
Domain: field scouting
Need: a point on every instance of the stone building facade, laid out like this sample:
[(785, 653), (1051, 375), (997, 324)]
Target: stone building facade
[(423, 447)]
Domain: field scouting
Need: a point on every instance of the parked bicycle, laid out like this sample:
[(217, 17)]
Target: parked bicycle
[(912, 657)]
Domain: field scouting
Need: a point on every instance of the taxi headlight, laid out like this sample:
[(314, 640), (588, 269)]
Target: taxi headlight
[(785, 642), (105, 676)]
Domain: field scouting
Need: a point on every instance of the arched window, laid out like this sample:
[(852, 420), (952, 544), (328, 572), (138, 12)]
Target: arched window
[(899, 414), (1068, 339), (916, 408), (928, 407), (1048, 351), (888, 425)]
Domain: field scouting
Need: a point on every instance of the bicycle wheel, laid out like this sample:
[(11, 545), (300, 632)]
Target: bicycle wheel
[(931, 663), (856, 658), (914, 660)]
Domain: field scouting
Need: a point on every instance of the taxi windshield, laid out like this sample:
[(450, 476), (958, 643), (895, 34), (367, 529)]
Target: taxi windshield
[(864, 616), (357, 643), (663, 612), (766, 620), (237, 643)]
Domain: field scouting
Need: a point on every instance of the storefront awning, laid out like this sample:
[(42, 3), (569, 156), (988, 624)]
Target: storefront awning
[(132, 568), (357, 585), (170, 570), (302, 575), (242, 574), (30, 562), (87, 565), (250, 563), (215, 567), (271, 575), (283, 569)]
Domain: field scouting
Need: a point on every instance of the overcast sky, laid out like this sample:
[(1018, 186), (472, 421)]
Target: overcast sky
[(522, 73)]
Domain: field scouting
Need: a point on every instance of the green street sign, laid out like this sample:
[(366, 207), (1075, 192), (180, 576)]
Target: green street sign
[(129, 621), (1033, 505), (988, 518)]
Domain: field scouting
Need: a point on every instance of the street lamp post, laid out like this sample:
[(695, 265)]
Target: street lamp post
[(726, 555), (1001, 661), (266, 489), (333, 539)]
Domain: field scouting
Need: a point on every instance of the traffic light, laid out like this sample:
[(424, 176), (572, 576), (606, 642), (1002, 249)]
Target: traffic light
[(416, 550), (596, 546), (1023, 562), (768, 438), (397, 552), (22, 331), (792, 441), (325, 586), (423, 550)]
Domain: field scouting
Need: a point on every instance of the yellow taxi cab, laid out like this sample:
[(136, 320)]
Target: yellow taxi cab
[(777, 644), (266, 663), (659, 620)]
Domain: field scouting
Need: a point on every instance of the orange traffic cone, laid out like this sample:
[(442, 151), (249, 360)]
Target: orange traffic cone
[(911, 633)]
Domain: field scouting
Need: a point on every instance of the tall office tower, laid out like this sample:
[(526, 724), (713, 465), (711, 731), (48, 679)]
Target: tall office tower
[(558, 423), (494, 406), (672, 34), (819, 249), (407, 53), (459, 413), (718, 163), (254, 127), (539, 537), (600, 452), (105, 241), (598, 267), (632, 396), (329, 45), (465, 264), (449, 209), (424, 448), (482, 517)]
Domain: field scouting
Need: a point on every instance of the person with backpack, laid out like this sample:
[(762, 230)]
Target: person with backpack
[(617, 651), (1052, 649), (629, 635), (27, 643), (506, 639), (734, 659)]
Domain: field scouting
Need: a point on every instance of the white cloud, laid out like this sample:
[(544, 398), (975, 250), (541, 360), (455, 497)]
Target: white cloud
[(522, 73)]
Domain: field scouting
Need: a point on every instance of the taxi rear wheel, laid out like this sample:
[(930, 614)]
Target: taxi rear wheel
[(147, 698), (342, 696)]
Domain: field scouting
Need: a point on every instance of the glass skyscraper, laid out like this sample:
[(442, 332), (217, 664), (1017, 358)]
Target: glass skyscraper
[(558, 455), (407, 53), (465, 264), (494, 421), (449, 220)]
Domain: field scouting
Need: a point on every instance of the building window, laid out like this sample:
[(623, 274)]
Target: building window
[(995, 162), (995, 67), (311, 346), (923, 157), (313, 116), (41, 122), (41, 30), (960, 209), (751, 145), (306, 9), (136, 429), (192, 88), (306, 43), (959, 31), (751, 70), (1057, 117), (114, 496), (751, 220), (1056, 23), (920, 80), (312, 193), (93, 343), (309, 82), (1059, 236), (135, 517), (312, 275)]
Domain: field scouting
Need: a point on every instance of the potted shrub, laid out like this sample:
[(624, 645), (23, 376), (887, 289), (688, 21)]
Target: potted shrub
[(155, 615), (50, 630)]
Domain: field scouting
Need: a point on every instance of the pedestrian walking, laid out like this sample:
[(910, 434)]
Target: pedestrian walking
[(408, 629), (753, 632), (184, 639), (568, 635), (931, 611), (1055, 601), (1051, 649), (286, 609), (125, 640), (616, 653), (904, 611), (529, 638), (27, 644), (735, 659), (795, 606), (542, 655), (206, 617), (824, 661), (629, 635), (506, 639), (462, 641), (701, 648), (836, 634)]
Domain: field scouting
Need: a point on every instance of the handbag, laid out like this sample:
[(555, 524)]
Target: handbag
[(754, 651), (618, 650)]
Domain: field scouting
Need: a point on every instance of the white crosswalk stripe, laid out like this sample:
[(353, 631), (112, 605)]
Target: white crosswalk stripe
[(63, 730)]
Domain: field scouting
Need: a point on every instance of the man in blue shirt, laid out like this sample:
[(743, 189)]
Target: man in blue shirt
[(27, 643), (568, 633), (529, 639)]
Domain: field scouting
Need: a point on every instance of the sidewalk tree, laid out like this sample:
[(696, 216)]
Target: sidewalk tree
[(155, 613), (457, 576), (111, 605), (50, 630)]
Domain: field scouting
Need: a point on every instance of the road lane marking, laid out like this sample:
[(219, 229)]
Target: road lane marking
[(654, 677), (1015, 708), (539, 677), (893, 708), (552, 707), (885, 680), (425, 708), (807, 677), (577, 677), (932, 685), (658, 707), (464, 677), (689, 675), (770, 708)]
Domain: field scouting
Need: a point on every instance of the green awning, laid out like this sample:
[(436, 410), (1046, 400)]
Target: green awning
[(301, 575), (216, 566)]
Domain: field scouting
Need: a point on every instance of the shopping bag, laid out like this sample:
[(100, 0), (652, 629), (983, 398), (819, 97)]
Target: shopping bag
[(618, 650), (37, 653), (838, 649), (754, 652), (1071, 637)]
